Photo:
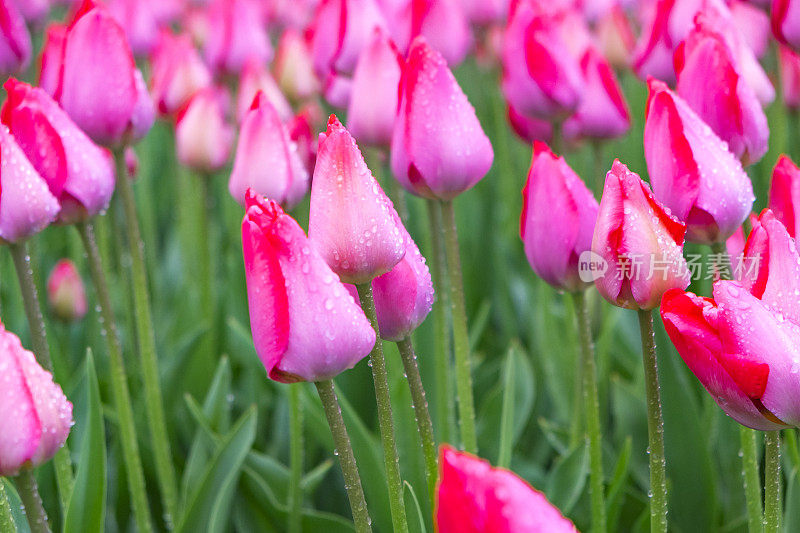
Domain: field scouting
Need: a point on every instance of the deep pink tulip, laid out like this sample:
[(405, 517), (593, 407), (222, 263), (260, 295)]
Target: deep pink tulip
[(305, 324), (530, 129), (36, 415), (786, 22), (236, 34), (267, 160), (294, 66), (177, 72), (26, 204), (640, 242), (603, 112), (15, 41), (784, 194), (351, 220), (709, 82), (65, 292), (99, 85), (52, 51), (438, 147), (789, 63), (203, 137), (79, 173), (557, 220), (302, 131), (474, 497), (373, 103), (691, 169), (254, 78), (442, 23), (652, 55)]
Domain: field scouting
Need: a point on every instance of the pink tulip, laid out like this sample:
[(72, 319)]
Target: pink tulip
[(786, 22), (474, 497), (26, 204), (557, 220), (373, 103), (15, 41), (441, 22), (255, 77), (530, 129), (652, 55), (138, 19), (603, 112), (306, 326), (753, 24), (267, 160), (351, 221), (615, 37), (789, 64), (784, 194), (485, 12), (438, 147), (293, 14), (33, 11), (302, 131), (36, 415), (691, 169), (236, 34), (709, 82), (203, 138), (177, 72), (79, 173), (640, 242), (52, 51), (294, 67), (65, 292), (99, 85)]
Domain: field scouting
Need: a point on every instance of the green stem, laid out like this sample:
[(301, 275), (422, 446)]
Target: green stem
[(344, 451), (29, 494), (591, 407), (295, 459), (6, 518), (558, 139), (600, 180), (381, 379), (422, 415), (147, 347), (773, 507), (122, 397), (466, 407), (655, 426), (41, 349), (441, 331)]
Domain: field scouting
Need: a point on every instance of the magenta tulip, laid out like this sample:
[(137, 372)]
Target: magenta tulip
[(784, 194), (15, 41), (236, 34), (203, 138), (786, 22), (65, 292), (177, 72), (530, 129), (789, 64), (52, 51)]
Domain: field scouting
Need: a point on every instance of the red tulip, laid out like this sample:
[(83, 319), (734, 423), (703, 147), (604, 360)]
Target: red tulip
[(236, 34), (15, 41), (789, 63), (177, 72), (65, 292), (255, 77), (306, 326), (784, 194), (294, 67), (203, 138), (786, 22)]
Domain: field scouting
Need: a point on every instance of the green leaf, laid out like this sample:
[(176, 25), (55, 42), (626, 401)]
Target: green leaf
[(6, 518), (87, 506), (17, 512), (617, 484), (416, 524), (507, 414), (791, 519), (567, 479)]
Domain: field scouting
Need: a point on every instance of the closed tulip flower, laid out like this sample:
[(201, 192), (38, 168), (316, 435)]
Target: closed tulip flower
[(474, 497), (294, 66), (53, 48), (351, 220), (753, 24), (79, 173), (786, 22), (203, 138), (789, 64), (615, 37), (15, 41), (530, 129), (255, 77), (305, 324), (438, 147), (36, 415), (784, 194), (26, 204), (177, 72), (557, 221), (65, 292), (640, 242), (442, 23), (235, 35), (139, 20), (691, 169), (267, 160)]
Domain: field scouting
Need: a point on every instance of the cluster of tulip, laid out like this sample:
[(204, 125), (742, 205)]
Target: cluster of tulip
[(323, 300)]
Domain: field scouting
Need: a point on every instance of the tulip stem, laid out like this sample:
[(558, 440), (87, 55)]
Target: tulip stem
[(29, 494), (205, 279), (41, 349), (344, 451), (773, 506), (423, 416), (147, 347), (295, 459), (466, 407), (591, 406), (122, 398), (655, 426), (385, 421)]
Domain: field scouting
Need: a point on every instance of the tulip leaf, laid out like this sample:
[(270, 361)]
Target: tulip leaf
[(567, 479), (507, 414), (416, 522), (6, 518), (87, 506), (791, 520), (619, 478)]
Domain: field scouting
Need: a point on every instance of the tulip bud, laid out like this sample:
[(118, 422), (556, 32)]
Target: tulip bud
[(178, 72), (784, 194), (615, 36), (138, 19), (79, 173), (255, 77), (26, 204), (306, 326), (753, 24), (36, 415), (65, 292), (351, 221), (52, 50), (557, 220), (665, 27), (236, 34), (789, 64), (640, 242), (203, 139), (373, 103), (691, 169), (438, 147), (15, 41), (131, 163), (474, 497), (530, 129), (786, 22), (294, 67), (442, 23), (267, 160), (302, 130)]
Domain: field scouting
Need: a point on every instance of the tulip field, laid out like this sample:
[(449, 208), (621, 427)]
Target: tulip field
[(454, 266)]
